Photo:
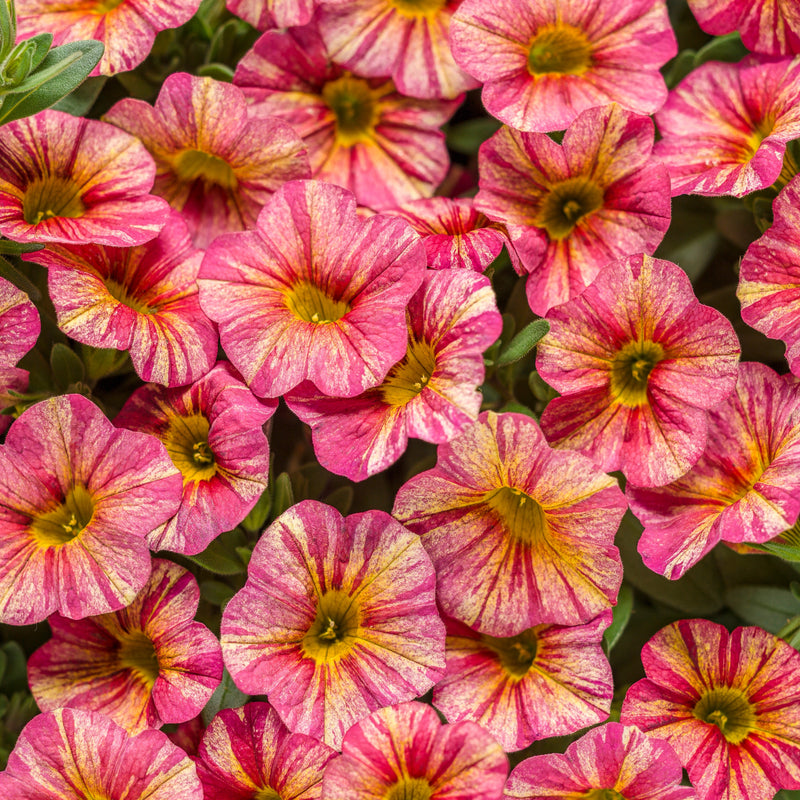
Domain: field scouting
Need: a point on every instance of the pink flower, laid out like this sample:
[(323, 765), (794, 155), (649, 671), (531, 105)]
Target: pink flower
[(19, 324), (266, 14)]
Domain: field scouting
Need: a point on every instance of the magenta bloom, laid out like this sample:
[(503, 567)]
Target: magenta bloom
[(361, 133), (638, 361), (19, 324), (266, 14), (77, 499), (572, 208), (431, 394), (546, 681), (82, 755), (142, 299), (744, 488), (727, 703), (726, 126), (769, 277), (216, 164), (405, 752), (127, 28), (249, 753), (766, 26), (544, 63), (143, 666), (74, 180), (213, 432), (336, 620), (609, 762), (530, 530), (314, 293)]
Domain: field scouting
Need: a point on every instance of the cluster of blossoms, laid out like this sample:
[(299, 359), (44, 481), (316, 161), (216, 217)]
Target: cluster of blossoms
[(275, 237)]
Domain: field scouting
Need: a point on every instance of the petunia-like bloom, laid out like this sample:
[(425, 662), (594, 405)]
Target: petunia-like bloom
[(455, 234), (361, 133), (127, 28), (266, 14), (405, 39), (213, 432), (143, 299), (405, 752), (145, 665), (337, 619), (77, 498), (769, 277), (613, 762), (431, 394), (75, 180), (766, 26), (19, 324), (727, 704), (543, 63), (726, 126), (314, 293), (216, 163), (530, 530), (82, 755), (572, 208), (744, 488), (547, 681), (247, 753), (638, 361)]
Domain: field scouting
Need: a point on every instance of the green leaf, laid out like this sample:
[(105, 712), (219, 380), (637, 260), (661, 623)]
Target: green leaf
[(467, 137), (103, 362), (513, 407), (24, 59), (721, 48), (9, 248), (523, 342), (255, 521), (67, 367), (80, 101), (8, 27), (19, 280), (769, 607), (15, 674), (220, 557), (681, 66), (341, 499), (217, 71), (622, 615), (216, 592), (63, 69), (282, 495), (226, 695)]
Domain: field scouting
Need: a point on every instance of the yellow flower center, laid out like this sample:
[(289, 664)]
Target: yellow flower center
[(523, 518), (630, 371), (410, 376), (190, 165), (355, 106), (602, 794), (105, 6), (52, 197), (310, 304), (730, 710), (137, 653), (417, 8), (516, 653), (64, 523), (186, 441), (267, 793), (410, 789), (561, 49), (567, 204), (121, 292), (335, 628)]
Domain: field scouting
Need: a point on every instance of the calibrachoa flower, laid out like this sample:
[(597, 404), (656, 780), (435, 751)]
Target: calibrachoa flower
[(546, 681), (769, 277), (455, 234), (766, 26), (143, 299), (19, 324), (744, 488), (145, 665), (247, 753), (361, 133), (572, 208), (82, 755), (213, 433), (405, 752), (543, 63), (337, 619), (74, 180), (216, 163), (613, 762), (726, 126), (314, 293), (431, 394), (77, 498), (638, 361), (265, 14), (127, 28), (528, 529), (728, 705), (406, 39)]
